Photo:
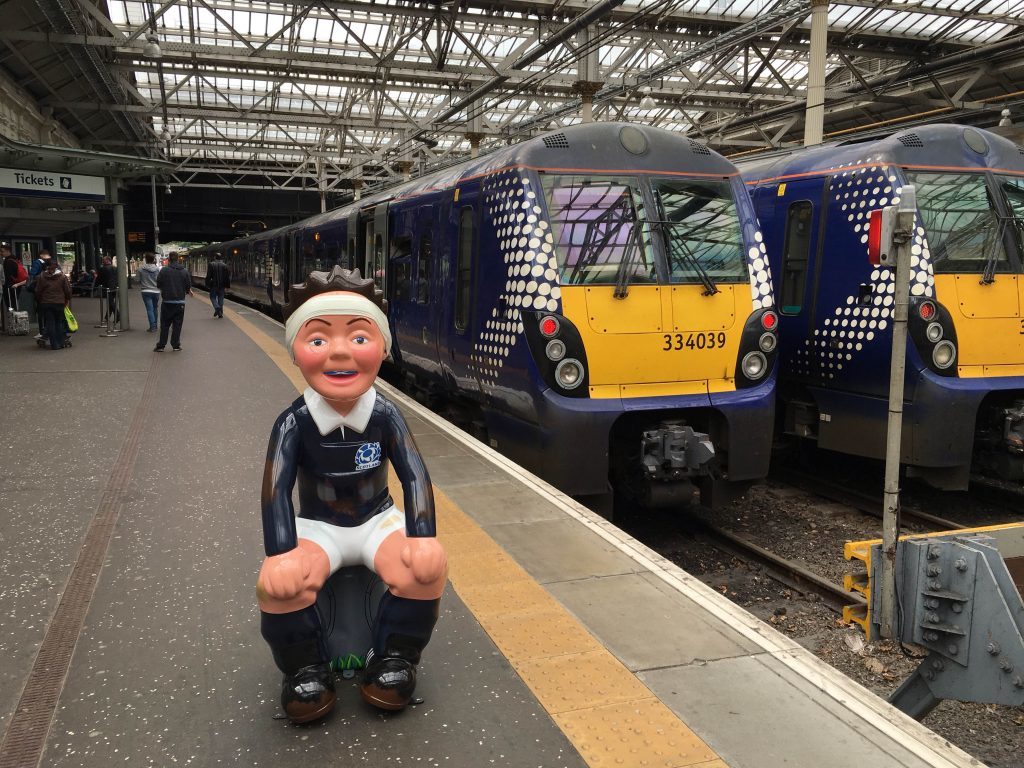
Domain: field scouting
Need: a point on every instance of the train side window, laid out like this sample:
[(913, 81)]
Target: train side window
[(463, 281), (400, 266), (423, 269), (795, 253)]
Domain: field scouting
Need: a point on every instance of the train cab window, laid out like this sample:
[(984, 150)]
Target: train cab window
[(601, 235), (964, 231), (423, 269), (701, 230), (464, 269), (795, 251)]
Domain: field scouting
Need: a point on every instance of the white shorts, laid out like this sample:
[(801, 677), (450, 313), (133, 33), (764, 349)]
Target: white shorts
[(352, 546)]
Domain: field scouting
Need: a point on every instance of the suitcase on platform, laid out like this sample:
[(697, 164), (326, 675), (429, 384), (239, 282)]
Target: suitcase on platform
[(16, 320)]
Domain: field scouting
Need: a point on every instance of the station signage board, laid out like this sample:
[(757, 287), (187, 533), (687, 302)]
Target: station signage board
[(74, 186)]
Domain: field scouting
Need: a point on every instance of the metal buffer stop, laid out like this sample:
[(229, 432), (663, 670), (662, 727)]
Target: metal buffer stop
[(958, 597)]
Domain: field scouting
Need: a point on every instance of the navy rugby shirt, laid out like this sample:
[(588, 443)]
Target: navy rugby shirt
[(343, 478)]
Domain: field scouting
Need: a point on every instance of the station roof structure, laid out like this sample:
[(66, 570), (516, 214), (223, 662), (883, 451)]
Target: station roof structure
[(319, 93)]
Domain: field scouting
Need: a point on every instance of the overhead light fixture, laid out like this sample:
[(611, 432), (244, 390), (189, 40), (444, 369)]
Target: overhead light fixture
[(152, 47), (165, 135), (1004, 119), (168, 189), (647, 102)]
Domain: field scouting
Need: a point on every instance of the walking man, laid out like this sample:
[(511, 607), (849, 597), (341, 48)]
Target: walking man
[(218, 277), (174, 283), (148, 273)]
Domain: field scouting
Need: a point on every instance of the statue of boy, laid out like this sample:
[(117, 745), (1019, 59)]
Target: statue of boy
[(336, 440)]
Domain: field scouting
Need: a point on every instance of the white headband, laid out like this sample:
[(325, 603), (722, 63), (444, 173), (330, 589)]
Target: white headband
[(336, 303)]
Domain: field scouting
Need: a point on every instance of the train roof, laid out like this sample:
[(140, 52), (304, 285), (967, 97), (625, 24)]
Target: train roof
[(936, 146), (585, 148)]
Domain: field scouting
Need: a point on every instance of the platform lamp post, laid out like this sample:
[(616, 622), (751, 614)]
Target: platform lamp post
[(889, 242)]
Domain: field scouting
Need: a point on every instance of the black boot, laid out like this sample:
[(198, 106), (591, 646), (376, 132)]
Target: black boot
[(402, 631), (296, 640)]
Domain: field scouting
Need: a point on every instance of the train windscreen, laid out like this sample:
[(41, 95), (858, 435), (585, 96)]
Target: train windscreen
[(965, 234), (702, 230), (598, 227), (1013, 189)]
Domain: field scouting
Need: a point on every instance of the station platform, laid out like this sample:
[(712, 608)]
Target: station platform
[(130, 543)]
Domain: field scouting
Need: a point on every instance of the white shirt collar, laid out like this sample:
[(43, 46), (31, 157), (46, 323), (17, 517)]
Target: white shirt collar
[(327, 419)]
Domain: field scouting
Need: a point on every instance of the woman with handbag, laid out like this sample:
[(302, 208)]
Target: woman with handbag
[(53, 294)]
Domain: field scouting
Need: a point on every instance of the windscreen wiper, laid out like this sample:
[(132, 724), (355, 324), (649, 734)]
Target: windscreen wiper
[(678, 249), (988, 272)]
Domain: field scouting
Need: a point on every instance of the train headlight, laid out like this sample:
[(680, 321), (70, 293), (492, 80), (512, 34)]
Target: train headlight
[(944, 354), (933, 332), (767, 342), (754, 365), (555, 350), (569, 374)]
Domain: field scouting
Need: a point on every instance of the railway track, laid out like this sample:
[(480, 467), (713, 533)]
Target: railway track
[(786, 571), (863, 501)]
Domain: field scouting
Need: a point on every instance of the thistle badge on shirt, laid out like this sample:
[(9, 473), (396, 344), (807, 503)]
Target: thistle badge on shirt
[(368, 456)]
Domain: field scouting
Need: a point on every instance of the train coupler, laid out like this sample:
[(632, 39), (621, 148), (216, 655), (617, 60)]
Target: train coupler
[(675, 452)]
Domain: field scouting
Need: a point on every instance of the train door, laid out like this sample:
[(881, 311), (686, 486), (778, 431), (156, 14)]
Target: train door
[(795, 238), (377, 246), (457, 316)]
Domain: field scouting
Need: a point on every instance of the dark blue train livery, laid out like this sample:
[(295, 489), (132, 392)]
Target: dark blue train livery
[(964, 393), (598, 299)]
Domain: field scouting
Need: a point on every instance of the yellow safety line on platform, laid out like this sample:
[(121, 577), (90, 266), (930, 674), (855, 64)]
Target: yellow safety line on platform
[(606, 712)]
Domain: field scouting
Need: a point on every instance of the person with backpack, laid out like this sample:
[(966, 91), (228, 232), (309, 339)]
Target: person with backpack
[(15, 276), (34, 272)]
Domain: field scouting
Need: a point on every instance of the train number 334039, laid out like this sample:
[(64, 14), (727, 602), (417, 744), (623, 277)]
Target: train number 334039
[(709, 340)]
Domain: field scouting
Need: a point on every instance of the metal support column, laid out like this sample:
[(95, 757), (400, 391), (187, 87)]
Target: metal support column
[(902, 239), (156, 218), (814, 117), (120, 248)]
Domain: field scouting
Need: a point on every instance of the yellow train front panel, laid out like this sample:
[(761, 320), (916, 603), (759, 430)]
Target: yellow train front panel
[(659, 340)]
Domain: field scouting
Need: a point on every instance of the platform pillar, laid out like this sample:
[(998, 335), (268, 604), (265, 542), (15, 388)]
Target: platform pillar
[(814, 116), (122, 265), (586, 89)]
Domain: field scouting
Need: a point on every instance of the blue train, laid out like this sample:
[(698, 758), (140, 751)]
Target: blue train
[(597, 298), (964, 395)]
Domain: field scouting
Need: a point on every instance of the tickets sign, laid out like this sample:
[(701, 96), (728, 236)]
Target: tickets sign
[(18, 182)]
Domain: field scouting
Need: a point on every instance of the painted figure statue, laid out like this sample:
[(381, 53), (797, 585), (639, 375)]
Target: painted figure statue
[(336, 440)]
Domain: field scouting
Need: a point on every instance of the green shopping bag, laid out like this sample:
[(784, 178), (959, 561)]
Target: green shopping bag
[(70, 318)]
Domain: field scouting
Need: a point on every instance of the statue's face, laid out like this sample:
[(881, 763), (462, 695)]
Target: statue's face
[(339, 355)]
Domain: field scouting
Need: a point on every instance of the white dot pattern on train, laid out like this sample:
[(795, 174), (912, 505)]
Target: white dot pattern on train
[(761, 289), (858, 191), (531, 268)]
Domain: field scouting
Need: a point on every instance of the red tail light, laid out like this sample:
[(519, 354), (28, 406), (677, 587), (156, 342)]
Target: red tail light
[(548, 326), (926, 310), (769, 320)]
